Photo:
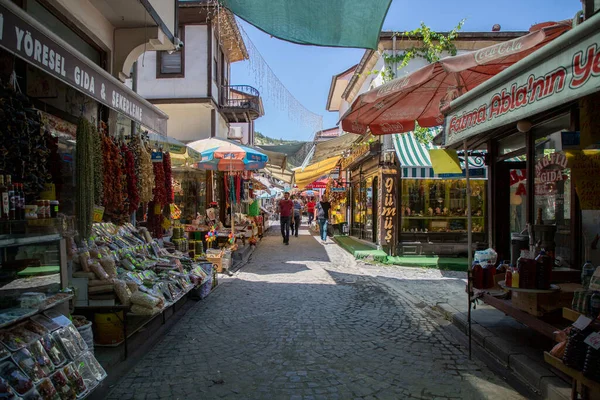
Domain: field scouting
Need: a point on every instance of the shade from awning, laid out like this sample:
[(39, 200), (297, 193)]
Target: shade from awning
[(332, 147), (314, 171), (286, 176), (277, 161), (335, 23)]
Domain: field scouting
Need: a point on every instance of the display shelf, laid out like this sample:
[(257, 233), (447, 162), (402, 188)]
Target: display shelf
[(553, 288), (36, 311), (570, 314), (573, 373), (29, 240)]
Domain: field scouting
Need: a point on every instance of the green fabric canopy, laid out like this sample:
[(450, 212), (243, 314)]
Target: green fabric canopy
[(334, 23)]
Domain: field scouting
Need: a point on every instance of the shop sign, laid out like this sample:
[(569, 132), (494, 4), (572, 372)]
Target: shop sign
[(473, 173), (549, 168), (517, 175), (37, 46), (338, 189), (389, 215), (358, 152), (585, 169), (568, 74)]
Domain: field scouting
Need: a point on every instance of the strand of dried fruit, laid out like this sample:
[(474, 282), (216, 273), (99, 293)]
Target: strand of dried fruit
[(84, 176), (168, 178), (98, 167), (133, 196), (146, 180), (160, 193)]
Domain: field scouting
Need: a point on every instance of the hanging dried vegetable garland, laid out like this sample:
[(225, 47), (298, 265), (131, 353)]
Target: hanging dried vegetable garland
[(133, 196), (146, 181), (168, 178), (109, 161), (160, 192), (116, 206), (84, 176), (98, 167)]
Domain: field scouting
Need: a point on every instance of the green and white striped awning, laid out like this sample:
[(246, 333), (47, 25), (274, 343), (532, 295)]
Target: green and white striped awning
[(415, 161)]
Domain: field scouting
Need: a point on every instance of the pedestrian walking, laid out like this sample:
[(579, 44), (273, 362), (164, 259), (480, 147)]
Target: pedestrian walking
[(286, 208), (310, 209), (297, 215), (322, 215)]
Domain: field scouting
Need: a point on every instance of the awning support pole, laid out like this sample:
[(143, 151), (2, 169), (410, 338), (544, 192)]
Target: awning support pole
[(469, 240)]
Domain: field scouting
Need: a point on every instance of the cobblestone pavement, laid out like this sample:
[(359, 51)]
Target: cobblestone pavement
[(306, 322)]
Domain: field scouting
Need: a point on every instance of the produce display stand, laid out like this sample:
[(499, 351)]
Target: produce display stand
[(588, 388)]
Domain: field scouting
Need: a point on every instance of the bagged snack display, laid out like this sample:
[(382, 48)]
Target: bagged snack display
[(13, 340), (109, 266), (47, 390), (36, 328), (28, 364), (7, 392), (77, 337), (64, 389), (123, 292), (75, 379), (141, 310), (93, 364), (132, 286), (97, 269), (4, 353), (64, 337), (45, 322), (85, 260), (144, 299), (89, 379), (53, 350), (15, 377), (41, 357)]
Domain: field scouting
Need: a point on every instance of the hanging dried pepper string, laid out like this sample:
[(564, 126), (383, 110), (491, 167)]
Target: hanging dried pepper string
[(133, 195), (168, 178), (98, 166), (146, 177)]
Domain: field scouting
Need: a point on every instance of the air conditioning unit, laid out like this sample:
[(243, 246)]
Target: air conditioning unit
[(235, 133)]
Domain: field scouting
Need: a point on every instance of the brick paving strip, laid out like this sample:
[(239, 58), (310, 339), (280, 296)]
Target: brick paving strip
[(306, 321)]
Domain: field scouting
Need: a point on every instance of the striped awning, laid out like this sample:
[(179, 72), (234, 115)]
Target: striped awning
[(416, 162)]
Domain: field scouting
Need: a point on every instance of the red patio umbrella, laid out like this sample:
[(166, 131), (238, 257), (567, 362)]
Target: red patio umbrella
[(318, 184), (395, 106)]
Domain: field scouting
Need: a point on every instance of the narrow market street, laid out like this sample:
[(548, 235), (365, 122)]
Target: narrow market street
[(305, 322)]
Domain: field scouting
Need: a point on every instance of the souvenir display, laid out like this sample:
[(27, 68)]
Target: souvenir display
[(53, 350), (16, 378), (47, 390), (29, 365), (6, 391), (63, 386), (75, 379)]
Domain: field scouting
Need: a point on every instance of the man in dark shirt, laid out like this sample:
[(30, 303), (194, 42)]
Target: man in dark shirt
[(286, 207)]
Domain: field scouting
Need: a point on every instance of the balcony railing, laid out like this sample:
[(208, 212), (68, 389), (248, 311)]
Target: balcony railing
[(242, 98)]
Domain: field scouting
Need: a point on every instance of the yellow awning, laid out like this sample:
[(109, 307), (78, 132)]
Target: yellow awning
[(445, 161), (286, 176), (314, 171)]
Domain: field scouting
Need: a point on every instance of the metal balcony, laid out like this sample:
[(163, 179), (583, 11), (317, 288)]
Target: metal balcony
[(241, 103)]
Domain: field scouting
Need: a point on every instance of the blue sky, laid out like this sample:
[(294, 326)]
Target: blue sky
[(306, 71)]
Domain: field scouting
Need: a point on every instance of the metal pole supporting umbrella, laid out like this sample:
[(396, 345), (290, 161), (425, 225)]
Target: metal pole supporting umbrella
[(469, 240)]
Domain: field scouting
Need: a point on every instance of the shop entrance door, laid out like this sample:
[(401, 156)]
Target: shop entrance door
[(509, 208)]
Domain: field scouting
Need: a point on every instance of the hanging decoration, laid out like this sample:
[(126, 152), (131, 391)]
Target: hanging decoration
[(146, 181), (133, 195), (269, 85), (116, 203), (98, 166), (170, 196), (84, 177), (159, 191)]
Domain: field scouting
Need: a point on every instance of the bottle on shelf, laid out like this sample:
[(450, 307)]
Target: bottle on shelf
[(586, 274), (12, 198), (21, 203), (477, 273), (595, 305), (527, 270), (543, 270), (508, 277), (488, 275), (516, 277), (4, 201)]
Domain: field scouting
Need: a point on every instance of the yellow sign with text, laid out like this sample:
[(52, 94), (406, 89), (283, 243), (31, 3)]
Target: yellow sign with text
[(585, 169)]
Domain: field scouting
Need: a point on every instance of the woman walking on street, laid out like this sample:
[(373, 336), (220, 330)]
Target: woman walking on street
[(322, 216), (310, 209)]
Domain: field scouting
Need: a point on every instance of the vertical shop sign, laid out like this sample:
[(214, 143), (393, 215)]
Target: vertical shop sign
[(389, 213)]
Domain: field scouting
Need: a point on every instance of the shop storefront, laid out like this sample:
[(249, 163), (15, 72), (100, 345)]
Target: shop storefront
[(538, 121), (73, 177), (433, 209)]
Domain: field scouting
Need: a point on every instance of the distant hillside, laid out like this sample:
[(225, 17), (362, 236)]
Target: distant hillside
[(260, 139)]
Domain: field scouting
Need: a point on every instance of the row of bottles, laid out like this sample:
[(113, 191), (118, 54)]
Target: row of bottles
[(529, 273), (12, 206)]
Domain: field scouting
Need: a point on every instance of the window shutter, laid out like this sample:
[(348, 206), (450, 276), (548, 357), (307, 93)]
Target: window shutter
[(170, 63)]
